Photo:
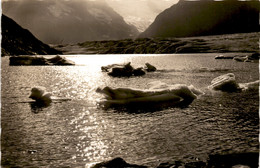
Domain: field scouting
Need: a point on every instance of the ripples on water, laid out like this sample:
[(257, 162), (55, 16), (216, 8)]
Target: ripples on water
[(78, 133)]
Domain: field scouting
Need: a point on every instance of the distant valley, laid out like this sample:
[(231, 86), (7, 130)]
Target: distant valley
[(140, 13)]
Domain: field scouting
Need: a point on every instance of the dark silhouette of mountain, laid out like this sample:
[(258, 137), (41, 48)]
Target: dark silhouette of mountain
[(205, 17), (19, 41), (56, 22)]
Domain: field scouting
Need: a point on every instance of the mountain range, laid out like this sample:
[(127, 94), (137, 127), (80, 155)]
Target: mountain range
[(77, 21), (62, 22), (205, 17)]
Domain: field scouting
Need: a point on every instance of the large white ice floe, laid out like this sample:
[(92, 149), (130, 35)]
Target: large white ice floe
[(158, 94)]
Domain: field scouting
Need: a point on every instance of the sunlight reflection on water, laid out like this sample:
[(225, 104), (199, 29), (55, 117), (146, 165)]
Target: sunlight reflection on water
[(89, 147), (95, 62), (78, 133)]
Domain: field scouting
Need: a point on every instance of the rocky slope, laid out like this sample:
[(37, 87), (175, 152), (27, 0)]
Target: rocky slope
[(19, 41), (56, 22), (205, 17)]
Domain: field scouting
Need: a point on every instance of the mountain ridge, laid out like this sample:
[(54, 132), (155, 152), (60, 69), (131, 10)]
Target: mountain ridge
[(205, 17), (19, 41)]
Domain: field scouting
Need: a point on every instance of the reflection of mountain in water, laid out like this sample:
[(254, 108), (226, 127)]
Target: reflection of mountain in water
[(69, 21), (205, 17)]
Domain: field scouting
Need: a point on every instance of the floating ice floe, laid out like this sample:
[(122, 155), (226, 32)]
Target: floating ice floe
[(38, 60), (40, 95), (44, 98), (127, 70), (249, 86), (254, 57), (228, 83), (158, 94)]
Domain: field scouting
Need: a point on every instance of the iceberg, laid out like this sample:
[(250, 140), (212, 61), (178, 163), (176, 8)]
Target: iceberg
[(228, 83), (40, 95), (158, 93)]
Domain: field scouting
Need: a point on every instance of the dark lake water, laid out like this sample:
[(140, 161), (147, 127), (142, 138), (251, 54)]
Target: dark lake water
[(77, 133)]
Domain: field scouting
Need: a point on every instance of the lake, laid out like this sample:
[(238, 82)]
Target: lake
[(78, 133)]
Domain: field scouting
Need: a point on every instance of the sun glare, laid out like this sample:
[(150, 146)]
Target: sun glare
[(97, 61)]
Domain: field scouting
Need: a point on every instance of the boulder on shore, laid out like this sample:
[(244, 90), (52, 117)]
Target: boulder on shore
[(39, 60), (245, 160), (116, 163), (255, 56), (249, 159)]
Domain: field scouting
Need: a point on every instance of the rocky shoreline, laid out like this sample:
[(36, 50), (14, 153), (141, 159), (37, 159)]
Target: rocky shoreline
[(234, 160), (242, 42)]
